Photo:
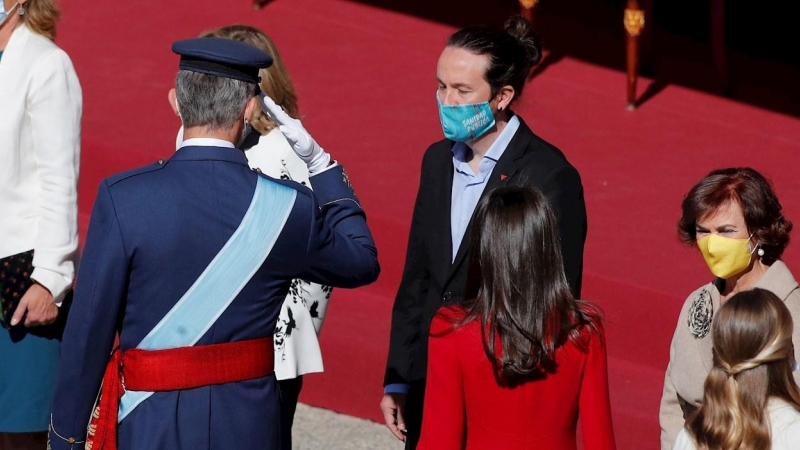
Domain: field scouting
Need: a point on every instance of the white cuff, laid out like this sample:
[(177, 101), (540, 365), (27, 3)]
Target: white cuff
[(331, 165), (54, 282)]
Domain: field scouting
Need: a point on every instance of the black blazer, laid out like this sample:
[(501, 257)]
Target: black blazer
[(430, 280)]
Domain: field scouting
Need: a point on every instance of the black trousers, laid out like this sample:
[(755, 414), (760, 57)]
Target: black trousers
[(413, 413), (290, 392)]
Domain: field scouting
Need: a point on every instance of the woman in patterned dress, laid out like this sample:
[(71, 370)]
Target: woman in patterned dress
[(736, 220)]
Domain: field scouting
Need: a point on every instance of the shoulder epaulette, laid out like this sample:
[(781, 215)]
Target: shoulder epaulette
[(160, 164)]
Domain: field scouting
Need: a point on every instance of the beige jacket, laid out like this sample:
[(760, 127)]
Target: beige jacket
[(690, 357)]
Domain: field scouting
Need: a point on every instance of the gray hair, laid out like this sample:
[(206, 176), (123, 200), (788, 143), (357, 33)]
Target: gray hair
[(211, 101)]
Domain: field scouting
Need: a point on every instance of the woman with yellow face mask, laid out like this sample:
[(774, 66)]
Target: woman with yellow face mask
[(735, 220)]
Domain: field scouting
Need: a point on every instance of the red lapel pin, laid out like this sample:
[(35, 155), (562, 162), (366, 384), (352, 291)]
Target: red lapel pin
[(503, 177)]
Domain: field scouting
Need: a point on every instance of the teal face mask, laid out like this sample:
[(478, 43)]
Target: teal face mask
[(465, 122)]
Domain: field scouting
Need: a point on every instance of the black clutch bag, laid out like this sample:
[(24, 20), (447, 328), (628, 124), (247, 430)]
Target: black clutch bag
[(15, 279)]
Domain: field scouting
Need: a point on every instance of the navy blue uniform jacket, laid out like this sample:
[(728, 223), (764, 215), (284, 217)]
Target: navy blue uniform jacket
[(152, 233)]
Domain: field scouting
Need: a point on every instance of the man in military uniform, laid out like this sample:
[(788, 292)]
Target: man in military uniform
[(189, 260)]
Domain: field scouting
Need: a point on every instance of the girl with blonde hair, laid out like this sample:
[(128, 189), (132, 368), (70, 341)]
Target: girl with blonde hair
[(751, 400)]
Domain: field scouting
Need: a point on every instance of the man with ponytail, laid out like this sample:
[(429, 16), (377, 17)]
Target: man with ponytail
[(481, 73), (750, 400)]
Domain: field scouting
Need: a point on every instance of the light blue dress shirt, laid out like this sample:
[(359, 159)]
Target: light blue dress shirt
[(468, 186), (467, 189)]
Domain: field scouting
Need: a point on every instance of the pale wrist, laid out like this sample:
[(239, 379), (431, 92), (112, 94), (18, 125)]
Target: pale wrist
[(53, 282)]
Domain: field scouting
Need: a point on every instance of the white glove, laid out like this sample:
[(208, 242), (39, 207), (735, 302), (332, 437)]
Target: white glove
[(302, 143)]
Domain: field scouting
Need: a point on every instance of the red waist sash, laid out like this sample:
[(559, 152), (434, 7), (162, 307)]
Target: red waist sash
[(170, 370)]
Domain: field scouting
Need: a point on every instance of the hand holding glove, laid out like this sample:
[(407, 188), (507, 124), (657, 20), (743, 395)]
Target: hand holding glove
[(302, 143)]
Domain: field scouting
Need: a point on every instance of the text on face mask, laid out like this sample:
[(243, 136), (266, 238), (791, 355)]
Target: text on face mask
[(475, 122)]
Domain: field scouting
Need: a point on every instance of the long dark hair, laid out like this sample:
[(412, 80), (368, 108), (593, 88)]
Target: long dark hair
[(517, 289), (752, 337)]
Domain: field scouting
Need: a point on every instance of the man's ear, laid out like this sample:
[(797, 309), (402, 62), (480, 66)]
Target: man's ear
[(172, 97), (504, 97), (251, 108)]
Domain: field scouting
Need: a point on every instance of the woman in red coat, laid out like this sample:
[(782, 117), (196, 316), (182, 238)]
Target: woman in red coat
[(516, 366)]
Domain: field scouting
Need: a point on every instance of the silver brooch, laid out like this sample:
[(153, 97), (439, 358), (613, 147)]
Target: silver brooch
[(700, 314)]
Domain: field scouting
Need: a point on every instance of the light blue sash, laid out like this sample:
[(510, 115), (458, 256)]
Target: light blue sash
[(222, 280)]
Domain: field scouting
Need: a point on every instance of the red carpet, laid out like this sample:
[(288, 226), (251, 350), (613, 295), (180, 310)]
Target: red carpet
[(365, 78)]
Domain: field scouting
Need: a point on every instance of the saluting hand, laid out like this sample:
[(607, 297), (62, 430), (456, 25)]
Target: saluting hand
[(38, 303), (301, 141)]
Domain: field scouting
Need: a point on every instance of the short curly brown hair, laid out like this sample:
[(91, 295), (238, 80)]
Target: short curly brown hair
[(753, 193)]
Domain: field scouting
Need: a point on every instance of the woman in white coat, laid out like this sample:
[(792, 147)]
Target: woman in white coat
[(296, 343), (40, 116)]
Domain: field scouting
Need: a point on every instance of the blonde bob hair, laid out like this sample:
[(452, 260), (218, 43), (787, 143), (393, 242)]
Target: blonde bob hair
[(753, 354), (275, 81)]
